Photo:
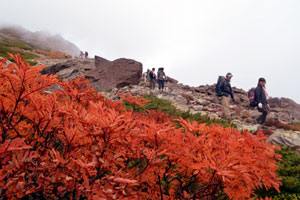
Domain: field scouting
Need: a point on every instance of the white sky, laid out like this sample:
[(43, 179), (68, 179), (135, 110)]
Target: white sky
[(194, 40)]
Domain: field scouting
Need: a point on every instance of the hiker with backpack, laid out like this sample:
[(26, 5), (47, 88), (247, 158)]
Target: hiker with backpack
[(161, 76), (260, 100), (224, 92), (152, 77)]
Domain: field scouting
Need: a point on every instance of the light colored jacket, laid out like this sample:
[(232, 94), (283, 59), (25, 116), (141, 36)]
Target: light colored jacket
[(161, 76)]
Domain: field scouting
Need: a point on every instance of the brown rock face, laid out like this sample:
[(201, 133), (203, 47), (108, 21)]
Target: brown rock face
[(70, 68), (114, 74), (288, 105), (172, 80)]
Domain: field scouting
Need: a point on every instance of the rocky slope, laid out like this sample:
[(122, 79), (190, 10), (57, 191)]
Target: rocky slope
[(123, 75)]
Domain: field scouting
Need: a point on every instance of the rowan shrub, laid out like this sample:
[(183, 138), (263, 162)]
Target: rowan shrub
[(72, 143)]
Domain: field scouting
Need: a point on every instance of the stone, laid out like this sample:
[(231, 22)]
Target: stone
[(288, 105), (114, 74), (198, 107), (202, 101), (68, 73), (181, 100), (80, 65), (282, 137)]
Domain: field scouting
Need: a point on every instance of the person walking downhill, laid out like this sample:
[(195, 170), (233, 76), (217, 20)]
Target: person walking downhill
[(261, 97), (224, 92), (161, 76), (152, 77)]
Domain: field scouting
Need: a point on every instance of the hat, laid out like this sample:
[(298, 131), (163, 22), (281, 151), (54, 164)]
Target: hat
[(261, 80), (229, 74)]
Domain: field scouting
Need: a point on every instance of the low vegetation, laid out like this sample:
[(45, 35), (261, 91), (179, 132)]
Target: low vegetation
[(75, 144), (167, 107), (16, 47), (289, 172)]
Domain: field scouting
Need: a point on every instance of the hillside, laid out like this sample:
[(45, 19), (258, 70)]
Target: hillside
[(67, 125), (282, 122), (34, 46), (126, 76)]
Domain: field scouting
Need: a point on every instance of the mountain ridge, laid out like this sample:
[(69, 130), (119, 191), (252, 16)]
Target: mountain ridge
[(34, 45)]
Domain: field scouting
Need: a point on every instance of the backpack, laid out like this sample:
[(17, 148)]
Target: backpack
[(251, 97), (220, 79)]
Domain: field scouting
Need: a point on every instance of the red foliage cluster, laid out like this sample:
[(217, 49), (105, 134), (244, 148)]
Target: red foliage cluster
[(73, 143)]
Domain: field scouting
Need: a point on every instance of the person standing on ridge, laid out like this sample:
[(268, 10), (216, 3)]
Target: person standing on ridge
[(161, 76), (261, 97), (86, 55), (224, 91), (81, 55), (152, 77)]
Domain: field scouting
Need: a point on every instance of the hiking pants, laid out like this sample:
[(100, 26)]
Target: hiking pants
[(262, 118), (161, 84), (225, 103), (152, 84)]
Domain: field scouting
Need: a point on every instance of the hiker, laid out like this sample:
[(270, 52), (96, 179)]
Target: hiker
[(224, 92), (81, 55), (152, 77), (86, 55), (161, 76), (146, 75), (261, 98)]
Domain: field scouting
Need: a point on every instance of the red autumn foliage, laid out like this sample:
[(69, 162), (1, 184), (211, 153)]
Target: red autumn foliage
[(73, 143)]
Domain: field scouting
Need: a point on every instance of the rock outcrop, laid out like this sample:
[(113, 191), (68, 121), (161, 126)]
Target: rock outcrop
[(286, 106), (103, 74), (114, 74), (70, 68)]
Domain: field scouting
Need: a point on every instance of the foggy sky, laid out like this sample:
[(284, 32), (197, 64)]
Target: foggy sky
[(194, 40)]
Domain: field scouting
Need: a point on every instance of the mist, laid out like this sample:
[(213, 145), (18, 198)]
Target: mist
[(42, 39)]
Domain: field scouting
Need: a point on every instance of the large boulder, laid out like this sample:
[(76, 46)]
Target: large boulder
[(283, 137), (70, 68), (114, 74)]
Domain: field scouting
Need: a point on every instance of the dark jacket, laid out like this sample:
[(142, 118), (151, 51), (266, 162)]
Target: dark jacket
[(152, 76), (260, 96), (225, 89)]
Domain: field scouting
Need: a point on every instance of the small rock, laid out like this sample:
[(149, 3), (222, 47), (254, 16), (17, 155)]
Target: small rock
[(181, 100), (198, 107)]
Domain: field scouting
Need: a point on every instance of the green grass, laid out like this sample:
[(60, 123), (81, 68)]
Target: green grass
[(32, 63), (167, 107), (4, 49), (7, 44), (15, 43)]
